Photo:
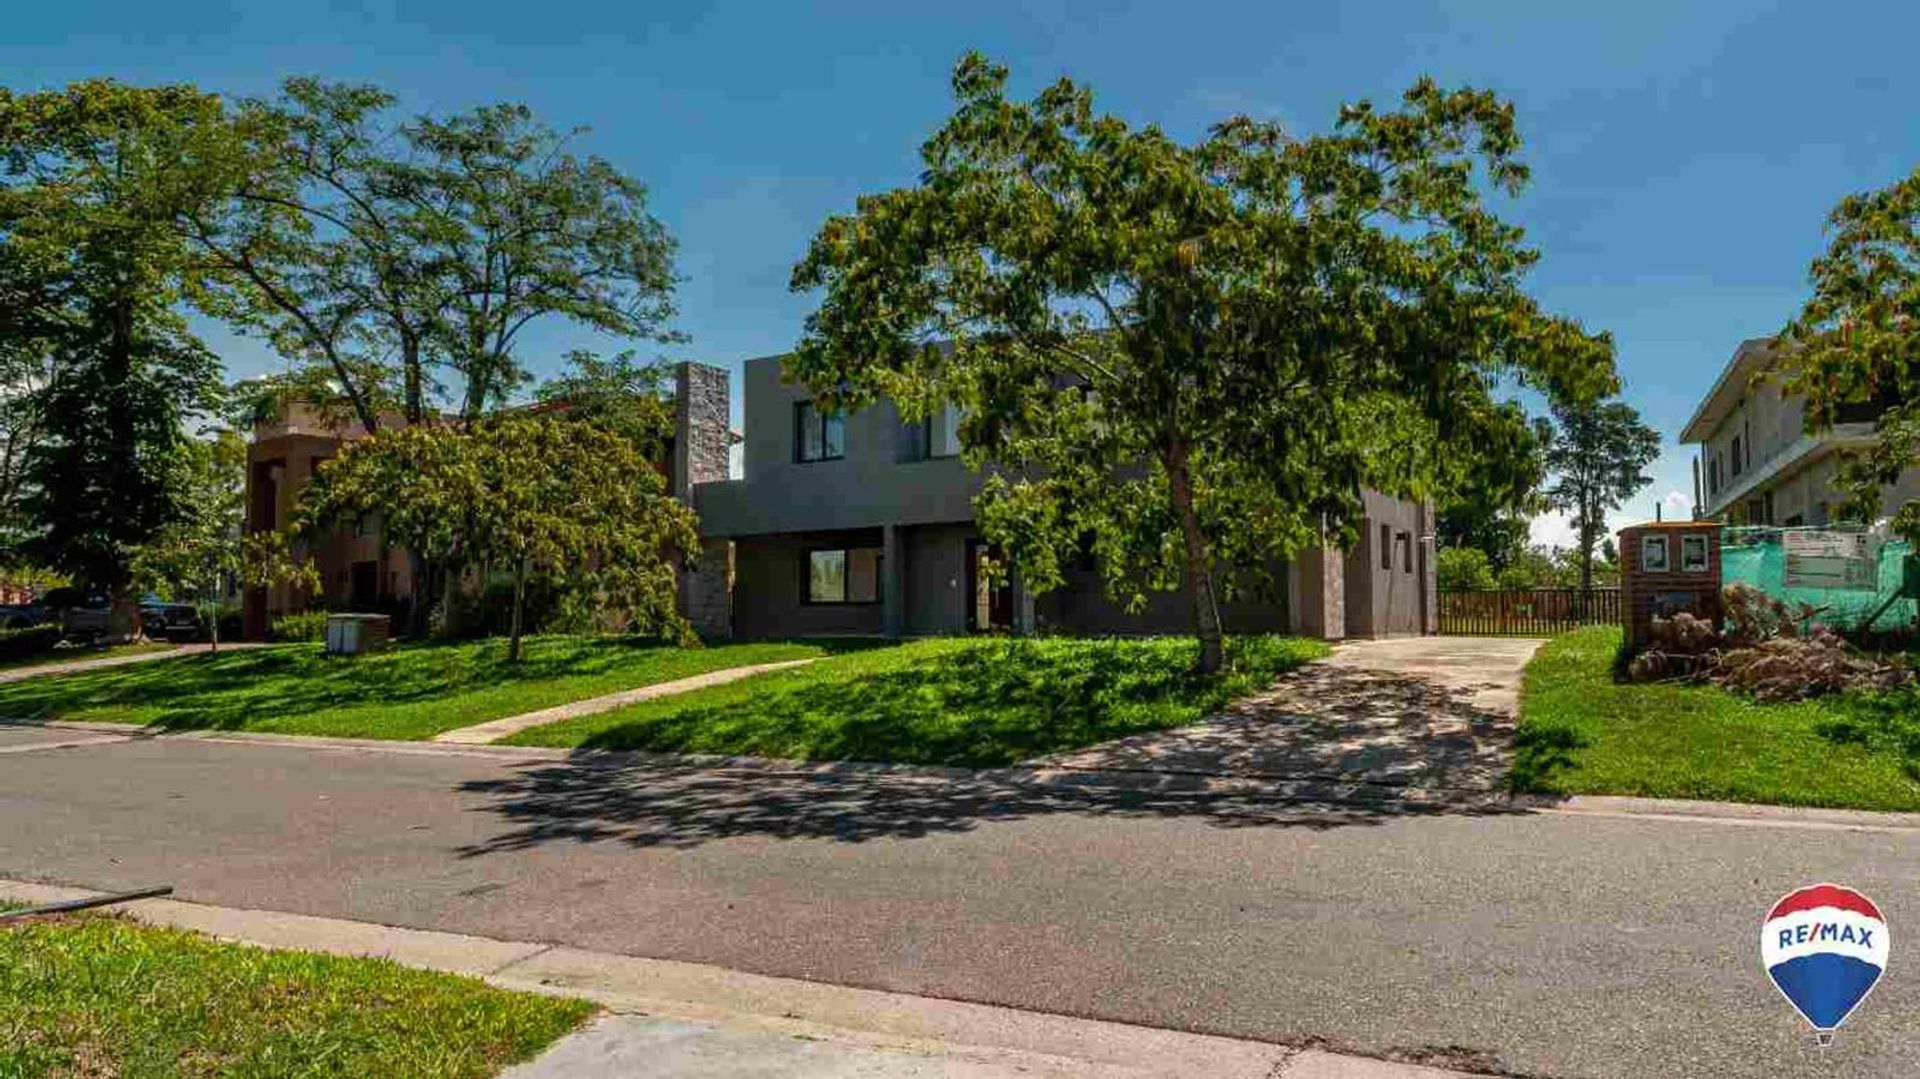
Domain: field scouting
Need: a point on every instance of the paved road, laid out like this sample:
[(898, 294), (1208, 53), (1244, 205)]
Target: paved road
[(1547, 943)]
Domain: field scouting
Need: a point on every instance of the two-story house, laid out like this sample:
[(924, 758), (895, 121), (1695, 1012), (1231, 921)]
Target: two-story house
[(855, 525), (863, 524), (1757, 465)]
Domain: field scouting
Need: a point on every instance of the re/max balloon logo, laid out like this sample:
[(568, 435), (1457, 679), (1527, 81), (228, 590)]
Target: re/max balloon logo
[(1825, 947)]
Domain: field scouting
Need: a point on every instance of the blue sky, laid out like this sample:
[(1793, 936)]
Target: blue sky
[(1684, 155)]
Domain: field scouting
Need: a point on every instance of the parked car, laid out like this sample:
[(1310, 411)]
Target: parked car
[(81, 615), (21, 615), (172, 621)]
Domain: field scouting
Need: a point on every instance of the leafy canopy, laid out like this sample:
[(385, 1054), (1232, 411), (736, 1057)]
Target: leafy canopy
[(1854, 349), (388, 252), (92, 270), (1190, 355), (519, 491)]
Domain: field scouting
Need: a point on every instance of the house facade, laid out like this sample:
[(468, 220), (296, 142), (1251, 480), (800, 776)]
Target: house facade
[(853, 525), (863, 524), (1756, 464)]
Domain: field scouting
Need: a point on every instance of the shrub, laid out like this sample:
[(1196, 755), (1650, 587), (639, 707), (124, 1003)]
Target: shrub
[(309, 626), (1463, 568), (29, 642)]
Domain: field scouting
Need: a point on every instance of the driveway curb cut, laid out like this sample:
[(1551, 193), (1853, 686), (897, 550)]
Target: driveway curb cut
[(855, 1017)]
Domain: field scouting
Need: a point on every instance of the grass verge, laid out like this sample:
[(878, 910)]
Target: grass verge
[(977, 702), (1582, 733), (105, 996), (412, 691)]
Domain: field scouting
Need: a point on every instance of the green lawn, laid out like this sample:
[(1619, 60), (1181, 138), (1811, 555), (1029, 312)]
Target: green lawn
[(1582, 733), (103, 996), (977, 702), (410, 691)]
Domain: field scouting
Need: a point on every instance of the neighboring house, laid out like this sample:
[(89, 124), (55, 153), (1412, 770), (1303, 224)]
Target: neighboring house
[(863, 524), (1757, 465), (358, 569)]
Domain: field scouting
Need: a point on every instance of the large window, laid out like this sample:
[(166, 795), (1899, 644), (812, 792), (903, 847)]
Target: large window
[(818, 435), (942, 431), (843, 575)]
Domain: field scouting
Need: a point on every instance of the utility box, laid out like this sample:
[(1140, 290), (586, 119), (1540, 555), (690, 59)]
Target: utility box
[(1667, 567), (353, 634)]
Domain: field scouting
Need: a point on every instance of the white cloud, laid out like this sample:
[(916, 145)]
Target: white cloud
[(1556, 529), (1552, 530)]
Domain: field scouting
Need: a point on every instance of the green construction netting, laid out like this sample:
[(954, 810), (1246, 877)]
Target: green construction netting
[(1757, 556)]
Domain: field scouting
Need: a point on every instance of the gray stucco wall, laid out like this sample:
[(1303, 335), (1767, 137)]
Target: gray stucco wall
[(1082, 606), (1390, 600), (878, 482), (767, 591)]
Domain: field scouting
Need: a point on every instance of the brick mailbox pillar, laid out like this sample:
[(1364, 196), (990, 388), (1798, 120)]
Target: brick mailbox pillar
[(1667, 567)]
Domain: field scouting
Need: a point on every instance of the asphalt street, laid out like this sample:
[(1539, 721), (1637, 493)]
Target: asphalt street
[(1542, 943)]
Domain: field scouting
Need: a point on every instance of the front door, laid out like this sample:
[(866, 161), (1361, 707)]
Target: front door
[(989, 602), (365, 586)]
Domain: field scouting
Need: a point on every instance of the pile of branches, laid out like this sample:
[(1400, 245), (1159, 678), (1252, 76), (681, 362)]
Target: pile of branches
[(1766, 650)]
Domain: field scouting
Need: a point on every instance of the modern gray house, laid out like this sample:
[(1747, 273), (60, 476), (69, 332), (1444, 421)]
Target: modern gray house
[(863, 524)]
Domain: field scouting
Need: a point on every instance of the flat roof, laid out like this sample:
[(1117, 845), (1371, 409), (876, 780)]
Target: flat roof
[(1753, 356)]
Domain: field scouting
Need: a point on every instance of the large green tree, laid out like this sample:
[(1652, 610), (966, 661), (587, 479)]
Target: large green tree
[(524, 229), (1190, 358), (521, 492), (93, 183), (386, 252), (1853, 352), (1598, 460), (389, 250)]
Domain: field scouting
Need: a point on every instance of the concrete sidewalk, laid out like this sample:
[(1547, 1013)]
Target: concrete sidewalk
[(43, 670), (495, 729), (690, 1021)]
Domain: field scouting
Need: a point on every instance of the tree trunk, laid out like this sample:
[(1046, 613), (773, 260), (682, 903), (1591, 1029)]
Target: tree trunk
[(1587, 530), (1197, 571), (519, 599), (422, 589), (415, 392)]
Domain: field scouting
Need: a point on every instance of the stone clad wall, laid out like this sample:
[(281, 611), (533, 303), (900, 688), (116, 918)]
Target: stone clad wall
[(702, 440)]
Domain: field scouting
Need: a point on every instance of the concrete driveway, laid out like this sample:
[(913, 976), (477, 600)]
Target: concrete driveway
[(1419, 712)]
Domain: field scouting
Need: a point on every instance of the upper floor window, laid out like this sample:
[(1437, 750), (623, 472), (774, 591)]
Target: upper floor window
[(942, 433), (1738, 464), (818, 435)]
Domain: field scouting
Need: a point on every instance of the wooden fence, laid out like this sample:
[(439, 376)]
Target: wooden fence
[(1526, 612)]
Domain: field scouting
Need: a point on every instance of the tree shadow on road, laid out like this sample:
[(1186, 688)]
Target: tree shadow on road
[(642, 802)]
